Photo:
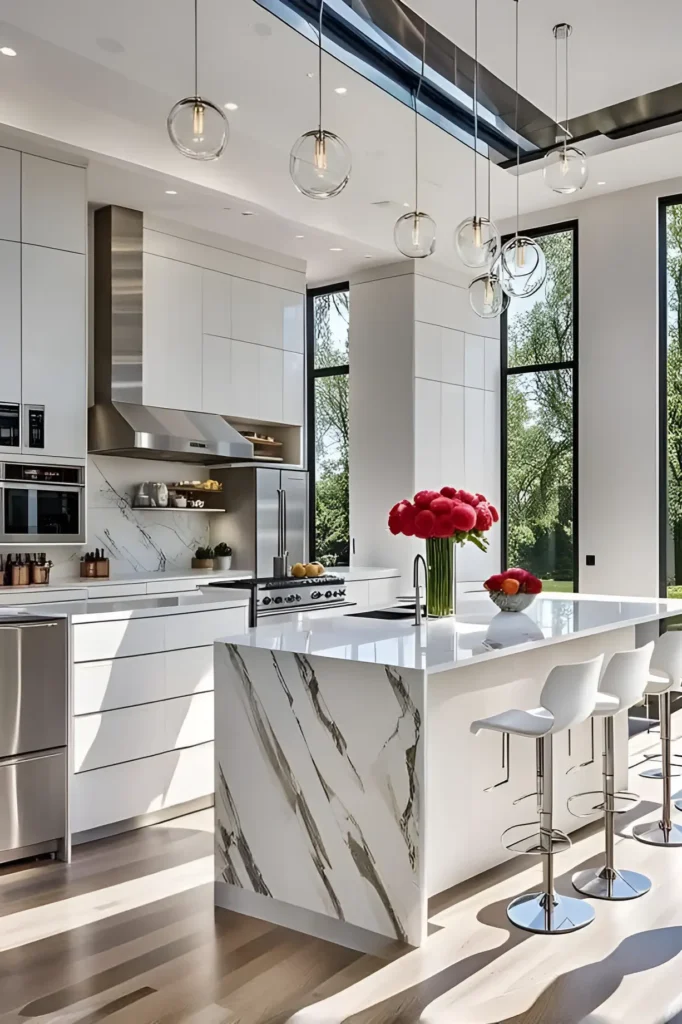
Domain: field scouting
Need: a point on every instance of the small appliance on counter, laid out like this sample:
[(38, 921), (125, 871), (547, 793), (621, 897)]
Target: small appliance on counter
[(273, 596)]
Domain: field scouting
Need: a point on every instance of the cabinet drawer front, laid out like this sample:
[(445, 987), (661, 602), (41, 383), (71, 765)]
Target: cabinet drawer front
[(198, 629), (105, 590), (98, 641), (121, 735), (189, 671), (358, 592), (383, 592), (32, 800), (173, 586), (189, 720), (123, 791), (118, 683)]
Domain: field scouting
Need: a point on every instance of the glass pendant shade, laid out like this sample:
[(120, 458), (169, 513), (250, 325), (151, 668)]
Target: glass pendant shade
[(477, 242), (320, 164), (415, 235), (198, 128), (565, 170), (486, 296), (522, 267)]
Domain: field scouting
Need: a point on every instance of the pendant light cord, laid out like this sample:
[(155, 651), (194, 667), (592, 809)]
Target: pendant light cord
[(319, 68), (416, 124), (516, 117), (566, 121), (196, 48), (475, 109)]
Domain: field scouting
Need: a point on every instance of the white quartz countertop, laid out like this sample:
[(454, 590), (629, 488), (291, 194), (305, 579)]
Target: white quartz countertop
[(478, 633), (129, 607)]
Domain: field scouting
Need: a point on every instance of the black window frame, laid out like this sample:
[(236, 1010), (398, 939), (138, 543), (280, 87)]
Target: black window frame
[(573, 364), (311, 376)]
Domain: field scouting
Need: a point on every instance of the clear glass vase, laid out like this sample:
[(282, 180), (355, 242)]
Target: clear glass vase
[(441, 581)]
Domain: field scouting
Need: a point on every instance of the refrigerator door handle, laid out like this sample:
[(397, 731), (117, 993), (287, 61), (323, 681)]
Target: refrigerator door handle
[(284, 522), (280, 532)]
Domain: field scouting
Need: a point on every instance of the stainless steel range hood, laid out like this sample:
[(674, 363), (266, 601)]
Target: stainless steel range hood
[(120, 423)]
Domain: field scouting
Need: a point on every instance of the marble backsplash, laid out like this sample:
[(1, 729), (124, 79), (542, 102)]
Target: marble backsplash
[(134, 540)]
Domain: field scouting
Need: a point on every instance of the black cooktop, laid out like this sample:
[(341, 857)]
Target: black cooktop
[(276, 583)]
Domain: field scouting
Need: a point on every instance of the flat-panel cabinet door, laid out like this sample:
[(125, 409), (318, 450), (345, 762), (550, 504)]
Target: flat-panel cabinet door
[(269, 384), (10, 324), (172, 367), (247, 312), (293, 377), (244, 398), (293, 322), (10, 195), (53, 204), (53, 350), (296, 487), (217, 303), (217, 376)]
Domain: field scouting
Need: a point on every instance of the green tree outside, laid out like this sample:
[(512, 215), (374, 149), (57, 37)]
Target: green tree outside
[(540, 423)]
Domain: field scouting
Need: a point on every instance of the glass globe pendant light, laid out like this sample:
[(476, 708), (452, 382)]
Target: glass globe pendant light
[(486, 297), (415, 232), (521, 265), (197, 128), (476, 238), (565, 169), (320, 162)]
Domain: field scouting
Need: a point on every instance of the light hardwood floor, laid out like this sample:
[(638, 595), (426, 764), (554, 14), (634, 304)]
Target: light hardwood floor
[(127, 935)]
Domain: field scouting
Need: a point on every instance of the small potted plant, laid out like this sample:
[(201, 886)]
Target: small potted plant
[(203, 558), (513, 590), (222, 556)]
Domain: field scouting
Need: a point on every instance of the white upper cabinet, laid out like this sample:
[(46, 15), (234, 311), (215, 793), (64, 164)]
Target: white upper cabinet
[(247, 314), (217, 387), (245, 384), (54, 346), (10, 195), (293, 322), (172, 318), (293, 378), (53, 204), (217, 304), (269, 384), (265, 315), (10, 322)]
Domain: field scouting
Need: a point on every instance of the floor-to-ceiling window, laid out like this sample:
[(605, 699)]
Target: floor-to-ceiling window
[(670, 269), (539, 419), (328, 313)]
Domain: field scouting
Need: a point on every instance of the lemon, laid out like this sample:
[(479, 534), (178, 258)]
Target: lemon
[(298, 570)]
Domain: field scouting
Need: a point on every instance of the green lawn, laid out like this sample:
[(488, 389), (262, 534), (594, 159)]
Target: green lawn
[(675, 592), (565, 586)]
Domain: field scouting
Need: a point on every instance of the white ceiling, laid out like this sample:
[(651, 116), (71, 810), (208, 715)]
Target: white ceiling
[(100, 76)]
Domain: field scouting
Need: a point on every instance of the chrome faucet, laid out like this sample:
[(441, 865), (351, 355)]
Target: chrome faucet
[(417, 589)]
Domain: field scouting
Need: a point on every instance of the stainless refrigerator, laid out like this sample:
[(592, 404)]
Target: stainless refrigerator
[(267, 509)]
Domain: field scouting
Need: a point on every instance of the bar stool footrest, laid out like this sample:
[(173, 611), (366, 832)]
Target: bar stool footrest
[(529, 841), (588, 796)]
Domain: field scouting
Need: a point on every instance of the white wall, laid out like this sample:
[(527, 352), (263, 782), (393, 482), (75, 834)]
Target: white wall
[(424, 406), (618, 384)]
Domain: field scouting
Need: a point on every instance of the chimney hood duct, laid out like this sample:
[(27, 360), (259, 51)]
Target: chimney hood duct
[(119, 422)]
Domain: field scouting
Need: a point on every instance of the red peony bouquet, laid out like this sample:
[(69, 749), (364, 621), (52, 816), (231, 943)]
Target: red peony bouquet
[(448, 513)]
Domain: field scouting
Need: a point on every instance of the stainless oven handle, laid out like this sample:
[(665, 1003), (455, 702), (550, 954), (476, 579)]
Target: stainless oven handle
[(39, 485), (30, 625)]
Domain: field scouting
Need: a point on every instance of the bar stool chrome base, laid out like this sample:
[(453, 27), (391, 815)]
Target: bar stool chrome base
[(610, 884), (658, 833), (657, 773), (534, 912)]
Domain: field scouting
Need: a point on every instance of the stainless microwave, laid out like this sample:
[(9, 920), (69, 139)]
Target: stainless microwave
[(42, 504)]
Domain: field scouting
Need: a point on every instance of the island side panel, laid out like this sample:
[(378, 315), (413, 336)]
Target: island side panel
[(320, 768), (464, 821)]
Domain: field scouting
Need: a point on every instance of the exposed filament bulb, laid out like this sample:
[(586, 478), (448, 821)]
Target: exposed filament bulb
[(320, 155), (477, 234), (198, 120), (415, 231)]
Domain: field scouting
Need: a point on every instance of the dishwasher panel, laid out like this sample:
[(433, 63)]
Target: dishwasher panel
[(32, 800), (33, 686)]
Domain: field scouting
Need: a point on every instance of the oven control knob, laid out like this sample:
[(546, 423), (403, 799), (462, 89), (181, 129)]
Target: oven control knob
[(315, 594), (291, 598), (277, 600), (342, 592), (298, 597), (266, 600), (328, 594)]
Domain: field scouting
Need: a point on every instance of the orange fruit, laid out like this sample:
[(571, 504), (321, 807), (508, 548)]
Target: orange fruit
[(510, 586)]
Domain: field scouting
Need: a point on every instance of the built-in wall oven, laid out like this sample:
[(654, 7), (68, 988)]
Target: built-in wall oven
[(42, 504)]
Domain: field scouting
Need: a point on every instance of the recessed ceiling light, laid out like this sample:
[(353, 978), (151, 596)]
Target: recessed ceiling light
[(298, 236), (7, 51), (310, 74), (171, 192), (335, 248), (367, 256), (341, 90), (248, 213), (406, 205), (231, 106), (601, 182)]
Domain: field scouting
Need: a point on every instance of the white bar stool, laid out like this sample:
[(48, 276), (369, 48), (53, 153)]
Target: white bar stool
[(567, 699), (665, 676), (622, 685)]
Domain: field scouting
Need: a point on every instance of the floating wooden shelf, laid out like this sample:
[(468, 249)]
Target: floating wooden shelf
[(194, 490), (261, 440), (172, 508)]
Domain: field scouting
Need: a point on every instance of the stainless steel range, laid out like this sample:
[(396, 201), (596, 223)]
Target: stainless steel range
[(277, 596)]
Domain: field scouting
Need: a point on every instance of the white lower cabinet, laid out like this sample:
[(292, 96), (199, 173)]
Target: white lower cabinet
[(383, 592), (358, 593), (123, 791)]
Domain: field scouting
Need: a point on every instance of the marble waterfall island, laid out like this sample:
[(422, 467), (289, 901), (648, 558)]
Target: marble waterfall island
[(348, 786)]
